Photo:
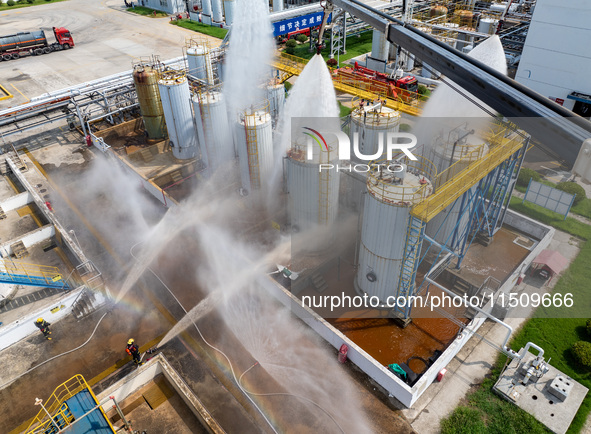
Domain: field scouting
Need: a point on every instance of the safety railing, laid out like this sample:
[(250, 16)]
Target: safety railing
[(384, 184), (502, 142), (31, 274), (42, 423)]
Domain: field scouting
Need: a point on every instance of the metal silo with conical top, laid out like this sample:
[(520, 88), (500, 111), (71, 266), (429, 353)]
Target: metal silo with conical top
[(145, 79)]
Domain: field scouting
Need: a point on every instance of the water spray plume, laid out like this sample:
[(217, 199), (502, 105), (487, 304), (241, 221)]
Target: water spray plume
[(446, 102), (227, 277), (249, 54)]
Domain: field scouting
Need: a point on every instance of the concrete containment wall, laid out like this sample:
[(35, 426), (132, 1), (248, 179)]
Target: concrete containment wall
[(146, 373), (148, 185), (25, 326), (16, 202), (29, 239), (380, 374)]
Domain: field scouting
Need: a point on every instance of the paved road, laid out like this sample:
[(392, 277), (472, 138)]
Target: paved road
[(107, 40)]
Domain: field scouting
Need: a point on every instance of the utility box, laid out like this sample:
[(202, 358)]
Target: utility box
[(561, 387)]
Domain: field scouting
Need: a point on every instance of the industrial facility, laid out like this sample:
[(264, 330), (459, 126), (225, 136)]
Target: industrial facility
[(285, 244)]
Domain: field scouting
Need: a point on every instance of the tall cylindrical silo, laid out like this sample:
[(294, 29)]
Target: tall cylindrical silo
[(175, 95), (450, 158), (382, 250), (216, 11), (314, 194), (213, 128), (145, 79), (370, 122), (255, 146), (199, 61), (380, 47), (229, 6), (276, 97), (278, 5), (206, 12)]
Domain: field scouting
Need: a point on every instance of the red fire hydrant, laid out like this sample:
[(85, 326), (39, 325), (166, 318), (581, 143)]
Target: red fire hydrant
[(88, 141), (342, 357), (48, 205)]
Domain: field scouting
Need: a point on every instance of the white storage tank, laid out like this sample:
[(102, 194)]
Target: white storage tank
[(386, 212), (380, 47), (216, 11), (369, 123), (255, 146), (460, 155), (276, 97), (229, 6), (206, 12), (488, 25), (174, 93), (314, 194), (199, 60), (213, 128)]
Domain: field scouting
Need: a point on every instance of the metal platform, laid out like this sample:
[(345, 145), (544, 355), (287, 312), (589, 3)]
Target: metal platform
[(535, 397)]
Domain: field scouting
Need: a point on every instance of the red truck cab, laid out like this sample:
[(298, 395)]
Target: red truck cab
[(63, 37)]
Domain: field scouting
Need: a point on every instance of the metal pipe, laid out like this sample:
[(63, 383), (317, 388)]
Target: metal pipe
[(504, 348), (527, 347), (122, 109), (121, 415), (39, 401)]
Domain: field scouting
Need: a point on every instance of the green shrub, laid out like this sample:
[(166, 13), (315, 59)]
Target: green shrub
[(30, 1), (423, 90), (10, 3), (21, 2), (301, 38), (582, 352), (287, 85), (588, 327), (290, 50), (525, 175), (291, 43), (573, 188)]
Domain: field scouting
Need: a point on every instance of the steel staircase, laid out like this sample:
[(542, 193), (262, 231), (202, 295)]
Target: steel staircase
[(410, 262)]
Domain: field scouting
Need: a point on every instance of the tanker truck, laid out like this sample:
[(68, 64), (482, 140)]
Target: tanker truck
[(34, 43)]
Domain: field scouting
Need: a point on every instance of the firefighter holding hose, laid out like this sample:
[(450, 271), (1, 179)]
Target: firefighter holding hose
[(43, 326), (134, 351)]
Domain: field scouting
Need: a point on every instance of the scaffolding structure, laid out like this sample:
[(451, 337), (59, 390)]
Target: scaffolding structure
[(482, 188)]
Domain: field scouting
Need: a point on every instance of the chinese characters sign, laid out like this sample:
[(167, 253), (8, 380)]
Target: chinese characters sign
[(298, 23)]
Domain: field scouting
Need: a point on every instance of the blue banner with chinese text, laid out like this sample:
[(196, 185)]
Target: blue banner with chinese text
[(298, 23)]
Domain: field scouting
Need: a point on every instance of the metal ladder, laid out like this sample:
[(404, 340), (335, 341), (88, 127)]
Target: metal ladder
[(207, 127), (412, 249), (252, 149), (323, 194), (500, 192)]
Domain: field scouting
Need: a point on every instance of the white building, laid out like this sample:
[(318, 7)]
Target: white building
[(556, 58), (169, 6)]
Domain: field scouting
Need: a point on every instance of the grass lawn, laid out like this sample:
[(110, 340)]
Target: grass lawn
[(554, 329), (147, 12), (4, 6), (355, 46), (216, 32), (344, 110)]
